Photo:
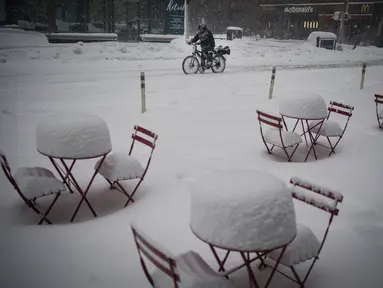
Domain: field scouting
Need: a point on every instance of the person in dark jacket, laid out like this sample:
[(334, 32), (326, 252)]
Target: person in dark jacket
[(207, 42)]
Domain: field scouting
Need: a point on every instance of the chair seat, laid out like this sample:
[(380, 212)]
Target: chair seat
[(304, 247), (120, 166), (380, 113), (329, 128), (194, 272), (36, 182), (290, 138)]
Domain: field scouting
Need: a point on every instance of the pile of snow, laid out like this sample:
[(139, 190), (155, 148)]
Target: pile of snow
[(12, 37), (78, 48), (73, 135), (304, 247), (243, 210), (303, 106), (233, 28), (181, 45), (314, 35)]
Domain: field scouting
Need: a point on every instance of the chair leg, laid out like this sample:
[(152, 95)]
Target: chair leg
[(310, 269), (121, 189), (289, 157), (112, 187), (134, 191), (331, 146), (299, 281), (44, 216)]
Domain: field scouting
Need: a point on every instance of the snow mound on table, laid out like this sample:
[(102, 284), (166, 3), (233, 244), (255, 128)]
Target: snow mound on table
[(11, 37), (73, 135), (304, 106), (321, 34), (244, 210)]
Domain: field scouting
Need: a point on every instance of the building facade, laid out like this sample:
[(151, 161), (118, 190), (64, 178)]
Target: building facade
[(283, 19), (298, 18)]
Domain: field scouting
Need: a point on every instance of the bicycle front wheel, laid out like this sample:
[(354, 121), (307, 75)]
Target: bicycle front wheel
[(190, 65)]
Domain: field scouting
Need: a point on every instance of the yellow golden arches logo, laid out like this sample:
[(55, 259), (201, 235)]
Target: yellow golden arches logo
[(365, 9)]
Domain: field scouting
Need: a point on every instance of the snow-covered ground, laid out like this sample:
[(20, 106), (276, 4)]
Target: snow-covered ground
[(205, 123)]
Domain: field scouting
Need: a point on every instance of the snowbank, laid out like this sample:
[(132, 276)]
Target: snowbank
[(12, 37)]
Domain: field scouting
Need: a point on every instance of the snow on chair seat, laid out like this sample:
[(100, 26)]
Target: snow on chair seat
[(120, 166), (276, 136), (32, 183), (186, 270), (329, 128), (379, 109), (36, 182), (304, 247), (290, 139)]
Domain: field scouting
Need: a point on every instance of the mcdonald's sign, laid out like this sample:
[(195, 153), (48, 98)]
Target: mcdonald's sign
[(365, 9)]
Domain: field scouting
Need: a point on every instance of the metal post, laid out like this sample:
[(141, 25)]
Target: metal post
[(272, 82), (143, 99), (341, 30), (363, 76), (186, 20)]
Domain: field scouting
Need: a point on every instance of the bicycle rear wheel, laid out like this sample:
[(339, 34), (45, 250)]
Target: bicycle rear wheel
[(219, 64)]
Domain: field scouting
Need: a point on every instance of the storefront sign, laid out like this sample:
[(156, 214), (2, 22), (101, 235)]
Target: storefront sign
[(299, 9), (365, 9), (175, 17)]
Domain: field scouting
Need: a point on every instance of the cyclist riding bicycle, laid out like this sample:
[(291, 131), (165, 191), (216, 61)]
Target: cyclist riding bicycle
[(207, 42)]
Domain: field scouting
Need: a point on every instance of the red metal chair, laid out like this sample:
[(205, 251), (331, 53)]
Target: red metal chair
[(184, 270), (120, 166), (379, 109), (32, 183), (306, 245), (332, 128), (276, 136)]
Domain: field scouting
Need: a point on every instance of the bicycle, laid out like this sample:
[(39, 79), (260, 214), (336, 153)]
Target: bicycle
[(215, 60)]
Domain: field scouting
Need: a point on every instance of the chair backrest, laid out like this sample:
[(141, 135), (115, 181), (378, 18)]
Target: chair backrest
[(146, 137), (378, 99), (143, 136), (270, 120), (160, 258), (340, 108), (8, 173), (308, 192)]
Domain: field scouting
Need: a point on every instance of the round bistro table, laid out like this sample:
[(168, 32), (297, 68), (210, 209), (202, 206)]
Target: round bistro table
[(304, 108), (244, 212), (68, 138)]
